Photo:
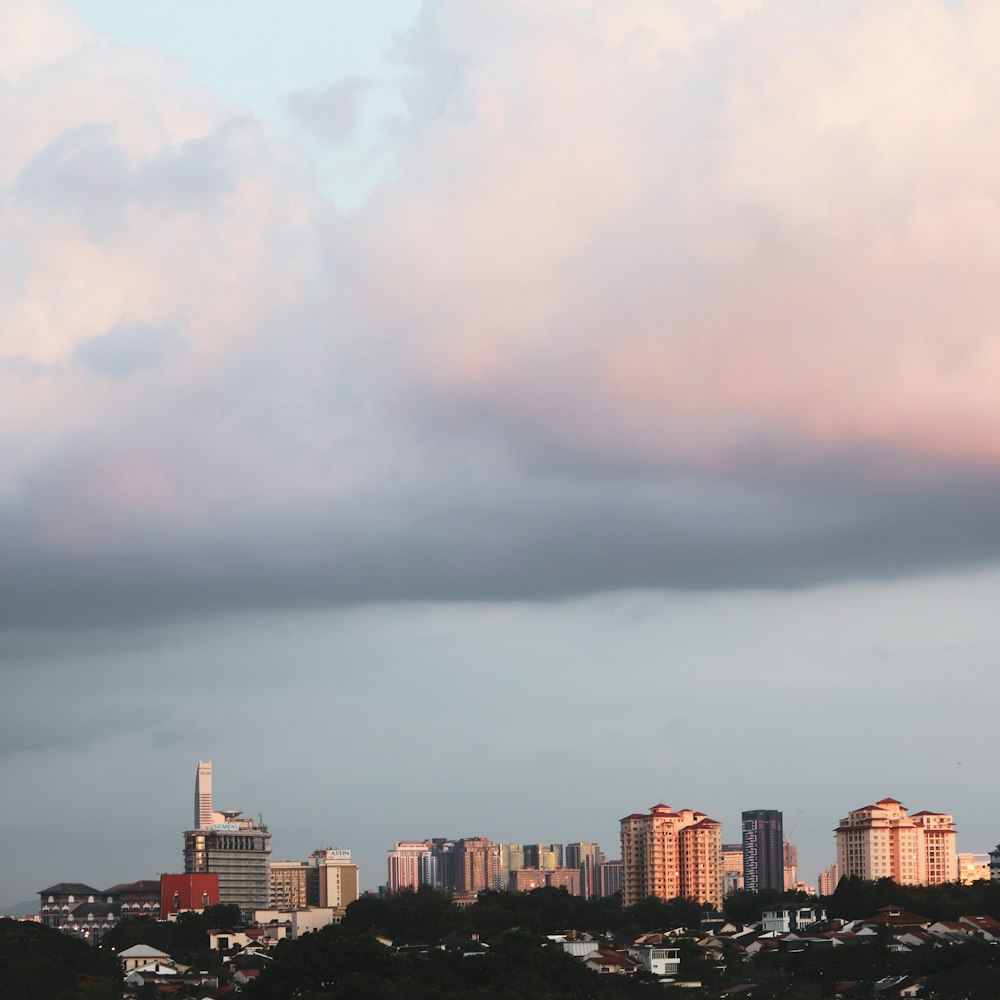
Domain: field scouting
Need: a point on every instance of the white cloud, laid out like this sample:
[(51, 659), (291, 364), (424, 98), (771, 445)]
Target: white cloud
[(685, 294)]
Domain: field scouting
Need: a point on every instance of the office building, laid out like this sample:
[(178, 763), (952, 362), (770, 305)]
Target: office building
[(763, 851), (238, 850), (883, 841), (667, 854), (442, 864), (586, 856), (334, 878), (611, 877), (289, 884), (543, 855)]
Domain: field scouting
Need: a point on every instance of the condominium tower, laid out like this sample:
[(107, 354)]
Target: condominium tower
[(882, 841), (763, 851), (669, 854)]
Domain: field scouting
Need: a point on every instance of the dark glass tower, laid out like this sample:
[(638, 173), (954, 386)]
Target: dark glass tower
[(763, 851)]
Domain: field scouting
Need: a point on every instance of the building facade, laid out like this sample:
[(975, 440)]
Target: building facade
[(408, 865), (667, 854), (995, 864), (334, 878), (586, 857), (203, 796), (763, 851), (828, 879), (187, 892), (883, 841), (239, 852), (973, 868), (732, 868), (611, 877), (289, 884), (476, 864)]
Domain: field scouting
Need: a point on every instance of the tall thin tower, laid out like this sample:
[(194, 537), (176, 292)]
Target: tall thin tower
[(763, 851), (203, 796)]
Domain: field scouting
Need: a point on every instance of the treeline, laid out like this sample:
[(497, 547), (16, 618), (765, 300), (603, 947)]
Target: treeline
[(856, 898), (184, 939), (39, 963), (426, 916)]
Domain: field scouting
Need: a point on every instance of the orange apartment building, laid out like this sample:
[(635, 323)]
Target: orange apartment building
[(669, 854), (883, 841)]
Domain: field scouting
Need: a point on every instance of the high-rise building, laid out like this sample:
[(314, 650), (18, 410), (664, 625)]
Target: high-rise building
[(828, 880), (231, 846), (791, 867), (442, 864), (476, 863), (408, 865), (763, 851), (238, 850), (289, 885), (882, 841), (543, 856), (203, 796), (732, 868), (334, 878), (669, 854), (611, 877), (995, 864), (586, 857)]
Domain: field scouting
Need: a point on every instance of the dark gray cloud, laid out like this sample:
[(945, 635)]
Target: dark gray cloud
[(500, 538)]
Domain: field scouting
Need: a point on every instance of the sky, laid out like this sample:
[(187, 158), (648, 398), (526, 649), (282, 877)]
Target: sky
[(487, 417)]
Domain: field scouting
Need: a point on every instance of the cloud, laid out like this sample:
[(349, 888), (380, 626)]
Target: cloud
[(125, 349), (687, 296), (331, 113)]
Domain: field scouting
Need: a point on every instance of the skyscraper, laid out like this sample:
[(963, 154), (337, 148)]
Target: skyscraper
[(203, 796), (763, 851), (230, 845), (669, 854), (239, 852), (586, 857)]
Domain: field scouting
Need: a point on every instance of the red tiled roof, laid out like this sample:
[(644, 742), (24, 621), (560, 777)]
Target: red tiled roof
[(894, 802)]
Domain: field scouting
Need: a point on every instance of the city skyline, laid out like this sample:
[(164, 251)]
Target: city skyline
[(518, 416)]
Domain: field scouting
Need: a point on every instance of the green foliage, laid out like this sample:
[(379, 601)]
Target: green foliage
[(338, 963), (184, 939), (742, 907), (39, 963), (855, 898)]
